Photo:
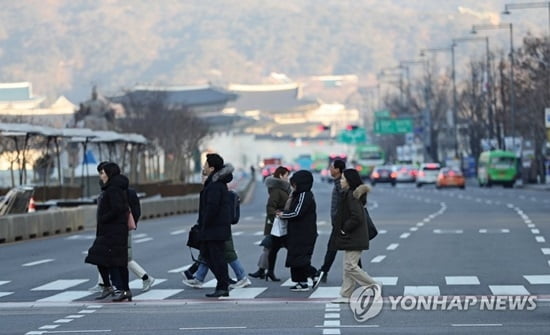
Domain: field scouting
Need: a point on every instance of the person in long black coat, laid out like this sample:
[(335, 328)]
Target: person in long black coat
[(110, 247), (302, 230), (215, 216)]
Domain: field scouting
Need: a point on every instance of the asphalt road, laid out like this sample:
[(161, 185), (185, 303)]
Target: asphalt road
[(450, 261)]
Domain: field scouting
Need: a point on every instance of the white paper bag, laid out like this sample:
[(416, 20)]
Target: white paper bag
[(279, 227)]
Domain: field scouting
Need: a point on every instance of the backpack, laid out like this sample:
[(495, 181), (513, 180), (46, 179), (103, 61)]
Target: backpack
[(135, 207), (235, 203)]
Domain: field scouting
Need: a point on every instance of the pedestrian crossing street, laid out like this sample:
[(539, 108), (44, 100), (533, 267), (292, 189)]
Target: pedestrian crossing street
[(69, 290)]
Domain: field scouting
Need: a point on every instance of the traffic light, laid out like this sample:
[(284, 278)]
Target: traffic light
[(322, 127), (351, 127)]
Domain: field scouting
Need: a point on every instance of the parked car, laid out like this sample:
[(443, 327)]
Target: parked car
[(16, 201), (382, 174), (427, 174), (449, 177), (405, 173)]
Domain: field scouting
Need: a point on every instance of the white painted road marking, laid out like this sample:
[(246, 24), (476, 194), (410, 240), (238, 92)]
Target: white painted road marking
[(38, 262), (421, 291), (66, 296), (59, 285), (508, 290), (538, 279), (461, 280)]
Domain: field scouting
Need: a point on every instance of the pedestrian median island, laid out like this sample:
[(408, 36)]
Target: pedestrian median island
[(19, 227)]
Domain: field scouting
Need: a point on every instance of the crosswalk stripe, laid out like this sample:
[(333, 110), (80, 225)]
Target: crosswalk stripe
[(508, 290), (387, 281), (421, 290), (538, 279), (61, 284), (66, 296), (326, 292), (246, 292), (138, 283), (157, 294), (4, 294), (462, 280)]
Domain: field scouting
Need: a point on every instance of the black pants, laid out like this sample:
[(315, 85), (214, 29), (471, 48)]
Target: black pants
[(276, 244), (300, 274), (214, 255), (116, 275)]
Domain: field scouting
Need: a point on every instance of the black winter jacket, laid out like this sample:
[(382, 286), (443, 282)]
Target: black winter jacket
[(215, 210), (110, 247), (350, 228), (302, 221)]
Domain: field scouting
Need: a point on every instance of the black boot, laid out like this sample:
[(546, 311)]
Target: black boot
[(124, 295), (258, 274), (218, 293), (107, 291), (271, 275)]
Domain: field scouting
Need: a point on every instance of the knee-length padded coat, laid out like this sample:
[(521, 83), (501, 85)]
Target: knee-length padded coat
[(110, 247), (302, 221)]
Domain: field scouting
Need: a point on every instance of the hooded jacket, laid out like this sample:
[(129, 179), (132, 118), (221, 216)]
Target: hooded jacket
[(278, 190), (350, 228), (302, 221), (214, 206), (110, 247)]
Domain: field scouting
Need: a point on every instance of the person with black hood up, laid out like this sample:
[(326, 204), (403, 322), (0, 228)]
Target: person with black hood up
[(352, 234), (301, 217), (215, 220), (110, 247)]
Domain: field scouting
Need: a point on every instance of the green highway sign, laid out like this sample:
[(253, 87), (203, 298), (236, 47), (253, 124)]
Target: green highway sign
[(393, 126), (382, 113), (358, 135)]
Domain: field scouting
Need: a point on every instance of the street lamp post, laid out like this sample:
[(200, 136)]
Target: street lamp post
[(528, 5), (510, 28), (488, 73), (455, 103)]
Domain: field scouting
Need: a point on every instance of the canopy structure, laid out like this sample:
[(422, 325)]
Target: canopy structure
[(75, 135)]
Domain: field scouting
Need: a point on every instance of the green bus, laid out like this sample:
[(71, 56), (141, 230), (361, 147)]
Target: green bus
[(366, 157), (497, 167)]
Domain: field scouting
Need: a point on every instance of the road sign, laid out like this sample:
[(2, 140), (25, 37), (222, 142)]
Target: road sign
[(383, 113), (547, 117), (358, 135), (393, 126)]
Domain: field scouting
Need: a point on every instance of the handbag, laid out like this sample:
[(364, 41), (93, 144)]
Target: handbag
[(279, 227), (370, 225), (193, 240), (131, 221)]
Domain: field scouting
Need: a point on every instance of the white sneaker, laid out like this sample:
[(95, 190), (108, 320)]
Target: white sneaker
[(195, 283), (147, 283), (341, 300), (241, 283)]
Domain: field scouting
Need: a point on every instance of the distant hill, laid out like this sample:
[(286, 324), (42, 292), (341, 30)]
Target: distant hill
[(66, 46)]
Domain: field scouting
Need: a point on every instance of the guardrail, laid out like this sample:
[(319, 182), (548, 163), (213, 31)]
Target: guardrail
[(20, 227)]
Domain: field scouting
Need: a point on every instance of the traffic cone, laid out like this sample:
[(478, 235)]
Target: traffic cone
[(32, 207)]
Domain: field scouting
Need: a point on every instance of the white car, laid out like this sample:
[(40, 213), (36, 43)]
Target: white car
[(427, 174)]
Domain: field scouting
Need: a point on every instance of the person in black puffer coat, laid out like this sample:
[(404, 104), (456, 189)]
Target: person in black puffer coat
[(301, 217), (110, 247)]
